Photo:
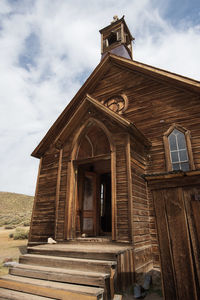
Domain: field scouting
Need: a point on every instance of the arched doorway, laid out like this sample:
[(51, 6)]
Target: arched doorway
[(93, 165)]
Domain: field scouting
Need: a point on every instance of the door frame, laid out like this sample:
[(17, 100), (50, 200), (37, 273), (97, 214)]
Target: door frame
[(72, 171)]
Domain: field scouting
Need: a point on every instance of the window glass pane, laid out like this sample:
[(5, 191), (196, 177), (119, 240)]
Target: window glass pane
[(175, 131), (174, 156), (181, 141), (176, 167), (185, 166), (183, 155), (172, 141)]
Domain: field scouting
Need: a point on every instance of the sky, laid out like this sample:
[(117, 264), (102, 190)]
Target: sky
[(49, 48)]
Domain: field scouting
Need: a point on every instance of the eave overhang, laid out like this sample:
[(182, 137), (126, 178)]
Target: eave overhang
[(173, 179)]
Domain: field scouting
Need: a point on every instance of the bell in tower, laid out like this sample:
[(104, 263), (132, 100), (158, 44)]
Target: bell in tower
[(117, 39)]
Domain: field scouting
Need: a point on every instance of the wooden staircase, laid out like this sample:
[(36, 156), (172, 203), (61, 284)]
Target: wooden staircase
[(75, 270)]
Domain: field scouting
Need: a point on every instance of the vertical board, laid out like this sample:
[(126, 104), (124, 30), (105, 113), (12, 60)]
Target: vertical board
[(168, 275), (192, 207), (181, 250)]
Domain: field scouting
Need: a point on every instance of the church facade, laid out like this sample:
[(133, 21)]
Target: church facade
[(122, 161)]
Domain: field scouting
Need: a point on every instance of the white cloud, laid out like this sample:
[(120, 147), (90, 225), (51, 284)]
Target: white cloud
[(37, 82)]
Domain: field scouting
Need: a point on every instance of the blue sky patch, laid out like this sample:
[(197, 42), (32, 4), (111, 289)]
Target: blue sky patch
[(182, 11), (31, 50)]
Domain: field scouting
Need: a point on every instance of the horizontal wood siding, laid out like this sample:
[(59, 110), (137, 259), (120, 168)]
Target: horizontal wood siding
[(141, 210), (123, 226), (43, 219), (62, 207), (153, 231), (153, 107)]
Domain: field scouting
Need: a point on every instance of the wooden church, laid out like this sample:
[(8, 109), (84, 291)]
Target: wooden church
[(118, 184)]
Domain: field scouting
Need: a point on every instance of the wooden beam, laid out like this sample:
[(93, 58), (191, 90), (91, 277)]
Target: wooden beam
[(69, 199), (92, 159), (113, 186), (129, 182), (58, 192)]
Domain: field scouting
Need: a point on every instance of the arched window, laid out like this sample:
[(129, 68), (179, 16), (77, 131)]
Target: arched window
[(178, 150), (93, 143)]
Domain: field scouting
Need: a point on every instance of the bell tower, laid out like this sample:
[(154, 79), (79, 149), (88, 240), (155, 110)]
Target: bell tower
[(117, 39)]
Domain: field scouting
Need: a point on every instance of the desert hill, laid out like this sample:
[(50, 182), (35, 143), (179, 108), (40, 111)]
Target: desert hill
[(15, 208)]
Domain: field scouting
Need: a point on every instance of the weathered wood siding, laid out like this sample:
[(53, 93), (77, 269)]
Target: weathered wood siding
[(123, 225), (179, 247), (141, 209), (62, 208), (43, 215), (153, 107)]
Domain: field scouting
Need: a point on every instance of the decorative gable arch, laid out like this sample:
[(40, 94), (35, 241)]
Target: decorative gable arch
[(168, 157), (82, 131)]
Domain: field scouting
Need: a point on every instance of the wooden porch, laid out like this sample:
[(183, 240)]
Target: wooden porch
[(86, 270)]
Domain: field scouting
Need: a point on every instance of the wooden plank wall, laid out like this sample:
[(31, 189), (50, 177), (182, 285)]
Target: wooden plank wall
[(153, 231), (123, 225), (125, 270), (153, 107), (177, 256), (62, 201), (43, 216), (141, 210)]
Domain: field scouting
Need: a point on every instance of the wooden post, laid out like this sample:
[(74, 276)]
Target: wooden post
[(129, 181), (69, 199), (113, 184), (58, 192)]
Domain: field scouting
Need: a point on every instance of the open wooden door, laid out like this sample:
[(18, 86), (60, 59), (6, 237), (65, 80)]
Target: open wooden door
[(89, 204)]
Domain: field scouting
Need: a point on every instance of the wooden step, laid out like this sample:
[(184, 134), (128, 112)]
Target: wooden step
[(69, 263), (15, 295), (61, 275), (55, 290), (80, 250)]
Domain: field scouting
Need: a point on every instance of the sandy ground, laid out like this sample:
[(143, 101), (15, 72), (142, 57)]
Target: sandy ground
[(10, 248)]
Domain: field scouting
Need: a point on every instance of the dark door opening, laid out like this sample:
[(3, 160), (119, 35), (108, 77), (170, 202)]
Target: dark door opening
[(105, 204), (94, 210)]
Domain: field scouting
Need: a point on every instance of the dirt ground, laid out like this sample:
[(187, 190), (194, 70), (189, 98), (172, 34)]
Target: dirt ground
[(10, 248), (155, 291), (151, 296)]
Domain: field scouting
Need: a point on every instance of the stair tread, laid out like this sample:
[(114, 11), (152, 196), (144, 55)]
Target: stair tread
[(96, 261), (63, 271), (54, 285), (16, 295), (84, 247)]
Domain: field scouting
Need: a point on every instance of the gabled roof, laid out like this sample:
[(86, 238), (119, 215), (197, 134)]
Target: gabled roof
[(106, 63), (85, 107)]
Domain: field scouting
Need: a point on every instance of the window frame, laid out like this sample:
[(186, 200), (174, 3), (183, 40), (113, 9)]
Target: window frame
[(188, 145)]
